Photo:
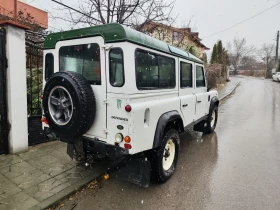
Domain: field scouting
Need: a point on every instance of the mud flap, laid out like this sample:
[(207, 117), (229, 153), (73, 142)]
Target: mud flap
[(136, 170), (70, 150)]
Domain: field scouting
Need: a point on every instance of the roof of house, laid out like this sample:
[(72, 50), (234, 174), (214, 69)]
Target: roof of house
[(115, 32), (193, 35)]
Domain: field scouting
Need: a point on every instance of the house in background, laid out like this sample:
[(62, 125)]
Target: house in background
[(34, 15), (183, 38)]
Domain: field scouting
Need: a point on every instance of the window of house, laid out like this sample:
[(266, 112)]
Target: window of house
[(49, 66), (83, 59), (154, 71), (200, 79), (186, 75), (116, 70)]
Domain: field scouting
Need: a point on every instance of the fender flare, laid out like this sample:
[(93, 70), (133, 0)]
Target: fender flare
[(162, 122), (213, 102)]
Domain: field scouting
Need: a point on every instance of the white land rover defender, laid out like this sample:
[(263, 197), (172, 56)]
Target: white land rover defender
[(113, 92)]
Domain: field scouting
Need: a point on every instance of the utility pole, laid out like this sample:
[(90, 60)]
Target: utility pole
[(277, 46)]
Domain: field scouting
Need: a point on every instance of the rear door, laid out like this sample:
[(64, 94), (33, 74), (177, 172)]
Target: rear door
[(200, 92), (187, 91), (87, 57)]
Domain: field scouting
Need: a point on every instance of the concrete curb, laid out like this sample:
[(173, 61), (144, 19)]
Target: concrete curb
[(231, 91)]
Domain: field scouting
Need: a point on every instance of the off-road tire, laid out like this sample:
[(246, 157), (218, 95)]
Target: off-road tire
[(210, 128), (158, 172), (83, 99)]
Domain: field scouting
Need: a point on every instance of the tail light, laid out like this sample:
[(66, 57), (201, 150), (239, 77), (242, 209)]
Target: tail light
[(127, 146), (44, 120)]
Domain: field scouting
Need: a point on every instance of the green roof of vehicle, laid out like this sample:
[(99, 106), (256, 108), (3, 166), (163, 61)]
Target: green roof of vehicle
[(115, 32)]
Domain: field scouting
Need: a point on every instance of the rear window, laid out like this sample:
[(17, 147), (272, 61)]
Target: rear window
[(49, 66), (154, 71), (116, 69), (83, 59)]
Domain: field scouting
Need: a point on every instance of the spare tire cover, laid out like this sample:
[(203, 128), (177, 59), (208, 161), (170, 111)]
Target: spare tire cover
[(69, 104)]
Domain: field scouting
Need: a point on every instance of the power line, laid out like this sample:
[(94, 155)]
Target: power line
[(242, 21), (75, 10)]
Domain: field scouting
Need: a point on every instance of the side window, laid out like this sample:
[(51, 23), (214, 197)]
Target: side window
[(200, 79), (186, 75), (49, 66), (154, 71), (116, 70), (83, 59)]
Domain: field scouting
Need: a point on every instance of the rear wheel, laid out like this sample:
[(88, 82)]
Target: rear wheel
[(166, 156)]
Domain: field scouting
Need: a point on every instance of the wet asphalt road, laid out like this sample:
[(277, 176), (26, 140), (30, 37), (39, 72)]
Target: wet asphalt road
[(237, 167)]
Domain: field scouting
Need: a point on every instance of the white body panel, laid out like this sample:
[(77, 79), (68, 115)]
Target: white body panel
[(147, 105)]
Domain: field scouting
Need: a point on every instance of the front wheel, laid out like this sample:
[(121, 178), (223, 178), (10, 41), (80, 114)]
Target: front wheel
[(166, 157), (211, 121)]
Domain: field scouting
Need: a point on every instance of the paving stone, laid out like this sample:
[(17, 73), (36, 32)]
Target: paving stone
[(23, 202), (16, 170), (8, 189), (31, 154), (6, 160), (2, 178), (55, 169), (45, 171), (30, 179), (44, 189), (44, 159)]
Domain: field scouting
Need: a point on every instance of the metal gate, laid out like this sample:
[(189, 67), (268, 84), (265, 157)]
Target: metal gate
[(3, 94), (34, 73)]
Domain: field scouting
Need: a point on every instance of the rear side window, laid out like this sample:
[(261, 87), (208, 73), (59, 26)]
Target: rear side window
[(83, 59), (154, 71), (116, 67), (200, 79), (49, 66), (186, 75)]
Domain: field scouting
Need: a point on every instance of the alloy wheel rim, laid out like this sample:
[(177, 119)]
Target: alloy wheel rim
[(168, 155), (60, 105)]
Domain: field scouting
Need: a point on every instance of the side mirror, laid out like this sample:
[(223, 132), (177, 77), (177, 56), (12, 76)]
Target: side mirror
[(209, 88)]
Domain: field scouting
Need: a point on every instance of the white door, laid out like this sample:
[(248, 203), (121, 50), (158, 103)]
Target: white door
[(186, 91), (200, 92), (99, 127), (87, 57)]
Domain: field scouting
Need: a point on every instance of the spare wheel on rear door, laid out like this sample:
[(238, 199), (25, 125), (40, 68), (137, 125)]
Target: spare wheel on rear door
[(69, 104)]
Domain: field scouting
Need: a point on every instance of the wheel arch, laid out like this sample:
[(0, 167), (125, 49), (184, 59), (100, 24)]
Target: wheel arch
[(214, 102), (166, 121)]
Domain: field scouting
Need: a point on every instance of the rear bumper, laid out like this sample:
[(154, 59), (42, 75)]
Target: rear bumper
[(98, 149)]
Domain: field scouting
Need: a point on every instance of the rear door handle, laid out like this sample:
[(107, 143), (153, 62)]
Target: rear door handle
[(185, 105), (198, 101)]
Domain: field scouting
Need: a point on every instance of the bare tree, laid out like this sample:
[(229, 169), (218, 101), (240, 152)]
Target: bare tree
[(134, 13), (237, 50), (267, 55)]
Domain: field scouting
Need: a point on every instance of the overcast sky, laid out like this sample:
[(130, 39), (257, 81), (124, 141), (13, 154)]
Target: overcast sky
[(211, 16)]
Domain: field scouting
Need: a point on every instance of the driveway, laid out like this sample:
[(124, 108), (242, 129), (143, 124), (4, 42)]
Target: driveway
[(237, 167)]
